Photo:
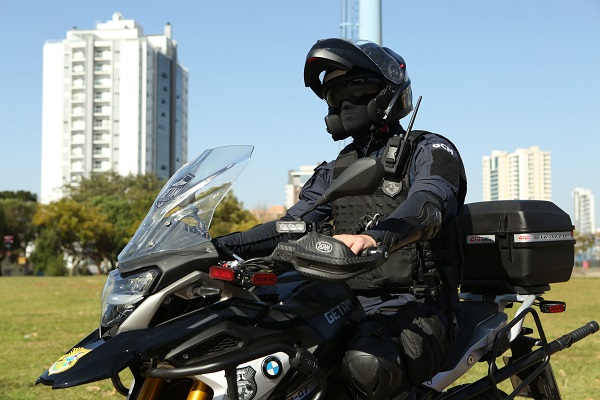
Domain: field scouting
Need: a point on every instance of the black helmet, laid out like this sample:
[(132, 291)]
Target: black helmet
[(331, 61)]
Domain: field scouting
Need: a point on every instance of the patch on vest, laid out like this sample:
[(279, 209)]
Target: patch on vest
[(445, 165), (391, 188)]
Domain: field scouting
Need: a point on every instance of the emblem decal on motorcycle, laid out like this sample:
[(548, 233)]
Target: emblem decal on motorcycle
[(245, 383), (173, 190), (337, 312), (271, 367), (68, 360), (324, 247)]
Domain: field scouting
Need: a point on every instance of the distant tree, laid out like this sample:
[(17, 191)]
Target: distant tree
[(95, 219), (48, 259), (82, 229), (583, 242), (20, 195), (230, 216), (124, 200), (99, 215), (16, 212)]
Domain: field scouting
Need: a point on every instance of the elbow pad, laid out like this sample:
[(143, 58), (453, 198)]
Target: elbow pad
[(418, 218)]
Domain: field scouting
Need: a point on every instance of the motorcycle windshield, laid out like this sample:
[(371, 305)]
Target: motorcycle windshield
[(183, 210)]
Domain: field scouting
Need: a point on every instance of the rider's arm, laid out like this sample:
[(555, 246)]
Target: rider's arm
[(436, 174), (261, 240)]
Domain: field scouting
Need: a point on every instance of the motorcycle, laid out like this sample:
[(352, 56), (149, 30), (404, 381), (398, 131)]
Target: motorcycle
[(191, 326)]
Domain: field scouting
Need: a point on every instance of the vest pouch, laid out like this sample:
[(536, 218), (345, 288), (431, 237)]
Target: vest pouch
[(396, 273)]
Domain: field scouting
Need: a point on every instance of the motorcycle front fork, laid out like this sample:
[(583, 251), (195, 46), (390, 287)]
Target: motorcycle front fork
[(154, 389)]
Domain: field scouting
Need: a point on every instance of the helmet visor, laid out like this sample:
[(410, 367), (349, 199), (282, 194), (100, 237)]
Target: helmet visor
[(355, 91), (387, 64)]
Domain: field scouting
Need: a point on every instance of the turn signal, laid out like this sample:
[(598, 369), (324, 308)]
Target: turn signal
[(551, 307), (221, 273), (264, 279)]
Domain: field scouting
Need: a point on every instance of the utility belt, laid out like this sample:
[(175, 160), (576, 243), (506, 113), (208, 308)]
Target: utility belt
[(436, 278)]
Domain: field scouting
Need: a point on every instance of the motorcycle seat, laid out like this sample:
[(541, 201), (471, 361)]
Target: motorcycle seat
[(471, 313)]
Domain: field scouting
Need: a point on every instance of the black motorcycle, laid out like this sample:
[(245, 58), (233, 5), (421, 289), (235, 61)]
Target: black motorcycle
[(191, 326)]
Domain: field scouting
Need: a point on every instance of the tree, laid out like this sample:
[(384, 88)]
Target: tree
[(230, 216), (20, 195), (98, 216), (16, 211), (124, 200), (47, 257), (81, 229)]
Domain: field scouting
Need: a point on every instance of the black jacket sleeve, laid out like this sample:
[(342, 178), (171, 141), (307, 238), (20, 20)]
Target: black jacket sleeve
[(438, 187), (261, 240), (417, 218)]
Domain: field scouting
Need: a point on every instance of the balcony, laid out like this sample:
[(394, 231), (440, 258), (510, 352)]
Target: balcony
[(102, 69)]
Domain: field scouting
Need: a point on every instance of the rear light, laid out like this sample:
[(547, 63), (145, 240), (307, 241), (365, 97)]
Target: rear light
[(547, 306), (264, 279), (221, 273)]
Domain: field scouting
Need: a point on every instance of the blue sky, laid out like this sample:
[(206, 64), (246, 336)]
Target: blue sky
[(493, 75)]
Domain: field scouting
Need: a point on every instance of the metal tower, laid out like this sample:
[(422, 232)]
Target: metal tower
[(361, 20)]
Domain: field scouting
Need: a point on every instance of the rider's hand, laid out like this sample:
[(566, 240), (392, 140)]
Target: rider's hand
[(357, 243)]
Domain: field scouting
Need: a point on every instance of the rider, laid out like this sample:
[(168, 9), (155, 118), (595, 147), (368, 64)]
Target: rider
[(410, 300)]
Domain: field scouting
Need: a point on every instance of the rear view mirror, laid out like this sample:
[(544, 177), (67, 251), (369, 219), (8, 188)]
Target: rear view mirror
[(361, 177)]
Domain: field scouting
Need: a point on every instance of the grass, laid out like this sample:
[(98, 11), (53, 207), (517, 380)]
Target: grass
[(42, 317)]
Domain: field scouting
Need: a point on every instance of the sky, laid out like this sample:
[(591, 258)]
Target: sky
[(495, 75)]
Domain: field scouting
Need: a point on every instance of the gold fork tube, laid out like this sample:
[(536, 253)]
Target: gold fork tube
[(151, 389), (200, 391)]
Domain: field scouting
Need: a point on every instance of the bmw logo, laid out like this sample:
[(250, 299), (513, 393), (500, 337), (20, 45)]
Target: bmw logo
[(271, 367)]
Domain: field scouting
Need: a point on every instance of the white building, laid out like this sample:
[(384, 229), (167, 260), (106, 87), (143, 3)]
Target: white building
[(584, 210), (296, 180), (113, 99), (524, 174)]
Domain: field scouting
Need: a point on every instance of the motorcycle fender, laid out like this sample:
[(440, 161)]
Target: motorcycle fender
[(92, 359)]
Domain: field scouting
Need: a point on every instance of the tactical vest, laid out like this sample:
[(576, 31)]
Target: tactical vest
[(406, 269)]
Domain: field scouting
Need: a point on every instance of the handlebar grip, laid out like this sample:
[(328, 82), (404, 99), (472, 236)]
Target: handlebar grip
[(369, 251), (578, 334)]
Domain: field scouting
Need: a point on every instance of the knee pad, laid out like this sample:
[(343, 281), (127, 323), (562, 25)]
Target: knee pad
[(374, 377)]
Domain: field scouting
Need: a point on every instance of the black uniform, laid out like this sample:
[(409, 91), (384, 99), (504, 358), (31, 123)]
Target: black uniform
[(406, 330)]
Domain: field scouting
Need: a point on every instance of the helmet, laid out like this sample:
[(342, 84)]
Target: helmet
[(330, 62)]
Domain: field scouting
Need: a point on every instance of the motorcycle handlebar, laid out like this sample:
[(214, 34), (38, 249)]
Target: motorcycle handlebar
[(568, 339)]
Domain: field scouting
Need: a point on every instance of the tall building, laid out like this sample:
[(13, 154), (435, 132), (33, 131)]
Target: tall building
[(584, 210), (524, 174), (114, 99), (296, 180)]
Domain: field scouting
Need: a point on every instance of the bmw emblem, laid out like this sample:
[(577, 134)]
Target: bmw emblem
[(271, 367)]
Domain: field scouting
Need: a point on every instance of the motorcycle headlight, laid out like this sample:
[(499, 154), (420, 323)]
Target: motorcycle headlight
[(121, 294)]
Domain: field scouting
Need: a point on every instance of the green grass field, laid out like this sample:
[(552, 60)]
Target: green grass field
[(43, 317)]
